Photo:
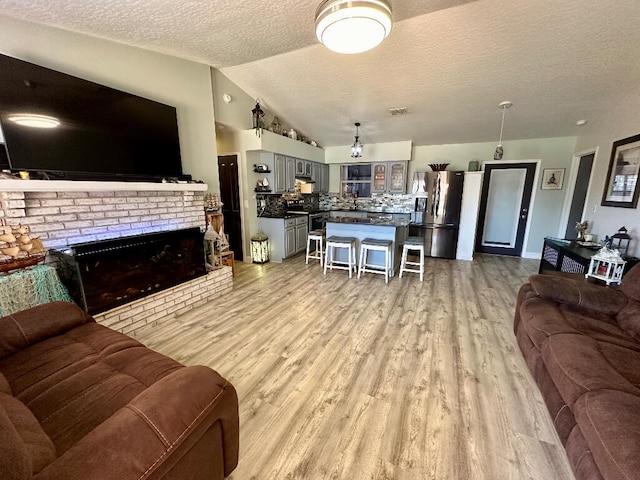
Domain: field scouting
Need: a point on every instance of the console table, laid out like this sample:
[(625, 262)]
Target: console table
[(565, 256), (30, 287)]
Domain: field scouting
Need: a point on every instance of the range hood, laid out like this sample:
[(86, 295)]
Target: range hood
[(304, 179)]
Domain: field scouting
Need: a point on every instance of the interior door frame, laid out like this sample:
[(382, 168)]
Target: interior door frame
[(571, 187), (532, 201), (242, 176)]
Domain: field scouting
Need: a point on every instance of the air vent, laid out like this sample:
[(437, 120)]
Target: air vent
[(397, 111)]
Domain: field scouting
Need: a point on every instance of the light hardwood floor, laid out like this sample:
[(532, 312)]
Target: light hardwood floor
[(355, 379)]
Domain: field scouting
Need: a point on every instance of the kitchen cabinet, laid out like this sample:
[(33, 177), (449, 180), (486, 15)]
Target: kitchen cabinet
[(389, 177), (324, 186), (308, 168), (290, 174), (280, 173), (299, 167), (287, 236)]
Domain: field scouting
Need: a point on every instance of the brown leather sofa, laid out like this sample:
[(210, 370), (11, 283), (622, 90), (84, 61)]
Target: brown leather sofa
[(81, 401), (581, 343)]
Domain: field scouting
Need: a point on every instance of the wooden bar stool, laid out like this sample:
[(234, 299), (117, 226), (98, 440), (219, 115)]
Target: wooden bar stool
[(417, 244), (318, 237), (375, 245), (330, 261)]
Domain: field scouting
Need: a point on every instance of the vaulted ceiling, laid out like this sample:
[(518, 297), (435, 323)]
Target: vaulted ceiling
[(450, 62)]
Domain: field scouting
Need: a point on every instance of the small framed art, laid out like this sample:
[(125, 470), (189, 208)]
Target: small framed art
[(552, 178)]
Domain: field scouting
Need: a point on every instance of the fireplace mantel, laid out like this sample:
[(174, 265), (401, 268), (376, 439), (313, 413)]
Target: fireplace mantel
[(17, 185)]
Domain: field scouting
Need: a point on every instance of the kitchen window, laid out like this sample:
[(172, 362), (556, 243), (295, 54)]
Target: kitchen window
[(355, 179)]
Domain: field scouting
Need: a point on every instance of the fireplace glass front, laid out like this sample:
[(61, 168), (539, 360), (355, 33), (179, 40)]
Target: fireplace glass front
[(105, 274)]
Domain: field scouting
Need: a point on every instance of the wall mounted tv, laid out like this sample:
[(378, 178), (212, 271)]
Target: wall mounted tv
[(95, 132)]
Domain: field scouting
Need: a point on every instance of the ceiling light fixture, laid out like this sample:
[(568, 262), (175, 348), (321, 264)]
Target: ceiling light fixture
[(356, 148), (353, 26), (499, 150), (34, 121)]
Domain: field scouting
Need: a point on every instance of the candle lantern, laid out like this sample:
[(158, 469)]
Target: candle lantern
[(260, 248), (620, 241), (258, 117)]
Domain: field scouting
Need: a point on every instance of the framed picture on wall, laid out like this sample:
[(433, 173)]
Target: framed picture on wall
[(621, 189), (552, 178)]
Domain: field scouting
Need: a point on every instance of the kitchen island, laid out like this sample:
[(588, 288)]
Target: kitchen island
[(361, 228)]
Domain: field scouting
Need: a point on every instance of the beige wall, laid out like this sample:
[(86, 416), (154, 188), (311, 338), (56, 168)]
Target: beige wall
[(621, 121), (181, 83)]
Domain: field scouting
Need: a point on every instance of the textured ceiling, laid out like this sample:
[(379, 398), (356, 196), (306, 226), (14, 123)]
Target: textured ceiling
[(450, 62)]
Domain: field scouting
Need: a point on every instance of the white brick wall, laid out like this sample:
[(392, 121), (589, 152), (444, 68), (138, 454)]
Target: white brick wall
[(65, 218), (167, 304)]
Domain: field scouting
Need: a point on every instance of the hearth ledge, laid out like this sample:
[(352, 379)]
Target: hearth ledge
[(82, 186)]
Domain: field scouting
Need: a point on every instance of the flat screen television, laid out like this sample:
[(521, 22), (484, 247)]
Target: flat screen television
[(101, 133)]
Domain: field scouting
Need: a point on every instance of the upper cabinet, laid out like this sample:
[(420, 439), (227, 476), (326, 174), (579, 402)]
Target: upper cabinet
[(389, 177), (284, 171)]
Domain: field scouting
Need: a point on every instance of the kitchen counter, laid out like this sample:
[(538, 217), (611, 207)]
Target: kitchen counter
[(362, 228), (369, 221)]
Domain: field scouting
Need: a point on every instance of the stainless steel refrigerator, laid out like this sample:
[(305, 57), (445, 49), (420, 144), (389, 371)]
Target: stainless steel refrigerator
[(437, 211)]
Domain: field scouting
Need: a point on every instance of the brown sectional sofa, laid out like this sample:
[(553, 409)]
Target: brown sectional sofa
[(81, 401), (581, 342)]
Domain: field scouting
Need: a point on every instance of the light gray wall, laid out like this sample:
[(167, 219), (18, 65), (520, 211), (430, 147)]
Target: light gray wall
[(181, 83), (620, 121), (552, 153)]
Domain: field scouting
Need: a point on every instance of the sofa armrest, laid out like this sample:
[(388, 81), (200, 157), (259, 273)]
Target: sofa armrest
[(155, 430), (35, 324), (587, 295)]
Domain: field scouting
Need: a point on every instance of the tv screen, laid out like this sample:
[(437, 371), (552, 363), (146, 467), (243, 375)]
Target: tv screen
[(94, 132)]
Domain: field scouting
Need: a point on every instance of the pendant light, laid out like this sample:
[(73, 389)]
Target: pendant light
[(499, 150), (347, 26), (356, 148)]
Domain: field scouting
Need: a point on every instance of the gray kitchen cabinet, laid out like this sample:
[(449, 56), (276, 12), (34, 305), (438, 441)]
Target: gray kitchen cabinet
[(317, 177), (299, 167), (290, 242), (280, 173), (389, 177), (324, 186), (291, 174), (308, 168), (287, 236)]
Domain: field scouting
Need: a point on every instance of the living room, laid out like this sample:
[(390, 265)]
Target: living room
[(259, 302)]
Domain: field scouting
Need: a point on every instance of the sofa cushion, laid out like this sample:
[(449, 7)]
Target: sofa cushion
[(578, 364), (75, 381), (542, 318), (630, 285), (4, 385), (629, 319), (610, 423), (25, 449), (578, 293), (38, 323)]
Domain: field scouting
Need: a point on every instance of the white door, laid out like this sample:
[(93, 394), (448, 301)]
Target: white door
[(506, 195)]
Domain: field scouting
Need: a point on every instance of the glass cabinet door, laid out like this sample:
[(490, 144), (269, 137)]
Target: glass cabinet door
[(398, 176), (379, 178), (299, 167)]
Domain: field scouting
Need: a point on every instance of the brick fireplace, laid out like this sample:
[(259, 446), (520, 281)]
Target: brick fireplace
[(64, 213)]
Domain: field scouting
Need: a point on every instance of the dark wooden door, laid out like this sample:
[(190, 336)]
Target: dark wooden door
[(230, 197), (504, 207)]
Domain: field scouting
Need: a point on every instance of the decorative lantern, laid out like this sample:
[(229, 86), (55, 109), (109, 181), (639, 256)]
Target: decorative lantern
[(260, 248), (620, 241), (258, 117)]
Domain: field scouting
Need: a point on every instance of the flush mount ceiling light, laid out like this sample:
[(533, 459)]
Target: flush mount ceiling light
[(353, 26), (499, 150), (34, 121), (356, 148)]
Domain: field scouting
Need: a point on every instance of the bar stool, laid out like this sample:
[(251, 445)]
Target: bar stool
[(318, 237), (413, 243), (330, 262), (372, 244)]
